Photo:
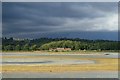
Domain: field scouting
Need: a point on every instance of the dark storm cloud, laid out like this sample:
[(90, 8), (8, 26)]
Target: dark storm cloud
[(0, 21), (35, 18)]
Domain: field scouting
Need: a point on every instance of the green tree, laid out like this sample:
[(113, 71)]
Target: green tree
[(18, 48), (8, 47), (33, 47), (26, 47)]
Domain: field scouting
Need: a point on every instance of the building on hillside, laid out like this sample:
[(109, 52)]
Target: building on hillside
[(67, 49), (60, 49)]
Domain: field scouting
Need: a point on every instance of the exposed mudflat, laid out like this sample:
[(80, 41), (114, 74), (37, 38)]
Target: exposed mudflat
[(34, 65)]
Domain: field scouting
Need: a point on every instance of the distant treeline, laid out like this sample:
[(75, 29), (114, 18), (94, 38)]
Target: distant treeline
[(10, 44)]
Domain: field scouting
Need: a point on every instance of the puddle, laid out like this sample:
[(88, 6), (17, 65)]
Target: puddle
[(42, 62)]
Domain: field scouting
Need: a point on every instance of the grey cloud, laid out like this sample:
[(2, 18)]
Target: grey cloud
[(37, 17)]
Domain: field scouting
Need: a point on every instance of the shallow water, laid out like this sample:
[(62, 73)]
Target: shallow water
[(90, 74)]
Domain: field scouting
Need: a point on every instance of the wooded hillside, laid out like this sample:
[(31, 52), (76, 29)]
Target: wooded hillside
[(10, 44)]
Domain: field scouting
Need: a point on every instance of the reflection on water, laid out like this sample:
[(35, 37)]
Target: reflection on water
[(27, 62)]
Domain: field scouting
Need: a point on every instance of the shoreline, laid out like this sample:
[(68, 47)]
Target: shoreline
[(67, 52)]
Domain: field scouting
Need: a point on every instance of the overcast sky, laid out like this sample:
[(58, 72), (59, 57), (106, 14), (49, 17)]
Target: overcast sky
[(60, 19)]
